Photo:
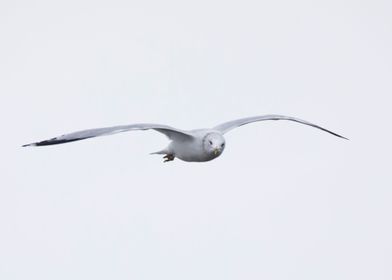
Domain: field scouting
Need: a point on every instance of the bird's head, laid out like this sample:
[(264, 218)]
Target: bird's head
[(214, 144)]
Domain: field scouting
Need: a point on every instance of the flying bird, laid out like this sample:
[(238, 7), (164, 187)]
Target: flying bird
[(197, 145)]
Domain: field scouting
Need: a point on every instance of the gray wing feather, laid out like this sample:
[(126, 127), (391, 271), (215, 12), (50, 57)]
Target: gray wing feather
[(225, 127), (170, 132)]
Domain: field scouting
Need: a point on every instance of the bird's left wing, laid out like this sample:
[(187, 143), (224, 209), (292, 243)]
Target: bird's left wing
[(227, 126), (172, 133)]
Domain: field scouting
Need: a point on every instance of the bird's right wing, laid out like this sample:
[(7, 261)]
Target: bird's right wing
[(170, 132), (227, 126)]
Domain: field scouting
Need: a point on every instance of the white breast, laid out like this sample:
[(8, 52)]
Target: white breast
[(191, 150)]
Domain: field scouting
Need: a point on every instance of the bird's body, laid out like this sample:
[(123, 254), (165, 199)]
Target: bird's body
[(197, 145), (195, 148)]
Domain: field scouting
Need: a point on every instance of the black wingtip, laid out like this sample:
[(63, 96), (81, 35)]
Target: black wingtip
[(53, 141), (333, 133), (340, 136), (29, 145), (337, 135)]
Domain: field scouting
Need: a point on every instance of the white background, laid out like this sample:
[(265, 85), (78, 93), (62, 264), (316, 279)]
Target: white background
[(284, 201)]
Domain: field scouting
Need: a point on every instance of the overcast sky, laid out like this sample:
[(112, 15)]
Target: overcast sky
[(284, 201)]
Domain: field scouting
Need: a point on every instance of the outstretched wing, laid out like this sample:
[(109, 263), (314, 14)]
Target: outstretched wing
[(172, 133), (225, 127)]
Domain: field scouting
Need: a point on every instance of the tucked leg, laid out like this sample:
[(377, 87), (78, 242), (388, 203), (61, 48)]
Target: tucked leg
[(168, 157)]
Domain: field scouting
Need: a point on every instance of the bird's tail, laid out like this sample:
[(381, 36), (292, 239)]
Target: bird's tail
[(161, 152)]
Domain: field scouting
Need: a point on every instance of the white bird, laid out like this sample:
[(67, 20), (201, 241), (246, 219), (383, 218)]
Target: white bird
[(197, 145)]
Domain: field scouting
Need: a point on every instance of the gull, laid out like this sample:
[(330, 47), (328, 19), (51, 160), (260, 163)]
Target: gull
[(197, 145)]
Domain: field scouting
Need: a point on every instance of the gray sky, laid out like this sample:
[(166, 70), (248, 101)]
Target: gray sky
[(284, 201)]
